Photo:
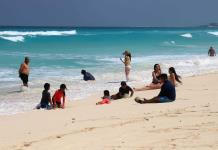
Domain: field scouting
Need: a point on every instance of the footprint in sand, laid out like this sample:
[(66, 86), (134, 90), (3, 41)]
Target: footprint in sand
[(73, 120), (146, 119), (27, 144), (58, 137)]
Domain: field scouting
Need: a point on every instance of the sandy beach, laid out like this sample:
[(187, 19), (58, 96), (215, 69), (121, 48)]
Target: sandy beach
[(191, 122)]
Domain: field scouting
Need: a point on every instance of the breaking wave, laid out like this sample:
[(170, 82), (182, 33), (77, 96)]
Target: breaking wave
[(13, 38), (18, 36), (37, 33), (187, 35), (213, 33)]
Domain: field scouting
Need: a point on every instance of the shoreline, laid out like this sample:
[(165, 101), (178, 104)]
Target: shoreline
[(99, 94), (190, 122)]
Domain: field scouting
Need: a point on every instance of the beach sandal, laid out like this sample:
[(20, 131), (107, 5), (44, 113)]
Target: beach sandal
[(139, 100)]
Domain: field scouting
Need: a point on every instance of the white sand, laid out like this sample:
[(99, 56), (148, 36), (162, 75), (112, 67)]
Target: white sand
[(191, 122)]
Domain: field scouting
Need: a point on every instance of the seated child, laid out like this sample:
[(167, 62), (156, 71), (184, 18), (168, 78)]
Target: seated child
[(59, 94), (105, 98), (46, 98)]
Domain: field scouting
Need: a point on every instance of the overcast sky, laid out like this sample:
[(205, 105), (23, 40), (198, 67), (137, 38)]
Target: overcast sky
[(108, 12)]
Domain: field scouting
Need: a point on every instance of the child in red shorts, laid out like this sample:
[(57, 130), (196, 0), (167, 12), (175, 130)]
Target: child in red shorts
[(105, 98)]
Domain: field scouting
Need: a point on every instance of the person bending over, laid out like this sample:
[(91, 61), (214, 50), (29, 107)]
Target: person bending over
[(59, 94), (123, 91), (87, 76), (167, 93)]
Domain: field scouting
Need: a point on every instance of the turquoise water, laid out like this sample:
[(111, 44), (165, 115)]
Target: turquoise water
[(58, 54)]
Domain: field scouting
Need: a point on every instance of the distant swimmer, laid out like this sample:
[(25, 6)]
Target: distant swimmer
[(24, 71), (211, 52), (87, 76)]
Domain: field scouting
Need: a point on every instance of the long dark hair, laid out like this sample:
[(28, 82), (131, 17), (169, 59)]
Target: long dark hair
[(155, 66), (177, 77), (127, 53)]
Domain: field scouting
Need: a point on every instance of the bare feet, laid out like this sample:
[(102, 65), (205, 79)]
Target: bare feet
[(139, 100)]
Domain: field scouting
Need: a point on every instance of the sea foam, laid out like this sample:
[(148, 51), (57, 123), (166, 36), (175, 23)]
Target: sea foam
[(13, 38), (37, 33), (187, 35), (213, 33), (18, 36)]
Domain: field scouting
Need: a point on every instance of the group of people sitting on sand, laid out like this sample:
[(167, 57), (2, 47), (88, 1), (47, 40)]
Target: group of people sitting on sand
[(57, 100), (156, 84), (160, 81)]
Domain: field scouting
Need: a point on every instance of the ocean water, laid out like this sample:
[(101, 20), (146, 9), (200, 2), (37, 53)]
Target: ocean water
[(57, 56)]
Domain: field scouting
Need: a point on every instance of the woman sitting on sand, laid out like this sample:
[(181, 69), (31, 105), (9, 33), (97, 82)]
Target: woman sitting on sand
[(155, 81), (173, 77)]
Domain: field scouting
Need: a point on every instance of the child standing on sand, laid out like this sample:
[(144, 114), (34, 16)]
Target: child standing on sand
[(105, 98), (59, 94), (46, 98)]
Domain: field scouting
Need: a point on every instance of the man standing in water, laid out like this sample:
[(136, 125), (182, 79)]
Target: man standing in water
[(211, 52), (24, 71)]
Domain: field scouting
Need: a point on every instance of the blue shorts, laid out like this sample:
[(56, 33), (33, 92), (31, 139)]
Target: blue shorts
[(164, 99)]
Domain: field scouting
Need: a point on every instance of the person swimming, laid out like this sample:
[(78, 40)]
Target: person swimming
[(211, 52)]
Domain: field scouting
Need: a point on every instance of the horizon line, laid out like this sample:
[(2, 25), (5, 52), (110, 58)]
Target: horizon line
[(50, 26)]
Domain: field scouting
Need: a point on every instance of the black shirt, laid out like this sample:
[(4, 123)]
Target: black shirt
[(45, 98), (168, 90), (88, 76), (126, 90)]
